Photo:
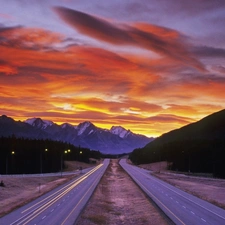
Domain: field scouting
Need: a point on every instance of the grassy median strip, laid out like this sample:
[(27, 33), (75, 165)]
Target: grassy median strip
[(118, 200)]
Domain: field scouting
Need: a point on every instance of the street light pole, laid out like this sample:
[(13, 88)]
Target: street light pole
[(12, 153), (80, 155), (62, 160), (189, 162), (68, 158), (41, 164), (6, 164)]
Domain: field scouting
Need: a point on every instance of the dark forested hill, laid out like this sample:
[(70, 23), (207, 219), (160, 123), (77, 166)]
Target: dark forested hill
[(24, 156), (197, 147)]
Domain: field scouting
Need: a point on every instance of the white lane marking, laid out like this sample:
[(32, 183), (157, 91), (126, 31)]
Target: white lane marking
[(155, 199), (165, 185), (43, 217), (58, 205), (203, 220), (52, 210), (193, 213), (177, 202), (171, 198), (184, 207), (96, 181)]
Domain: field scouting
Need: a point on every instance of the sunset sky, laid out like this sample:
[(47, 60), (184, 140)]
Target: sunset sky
[(149, 66)]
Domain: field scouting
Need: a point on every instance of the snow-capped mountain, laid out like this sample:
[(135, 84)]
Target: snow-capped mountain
[(66, 125), (85, 128), (37, 122), (120, 131), (117, 140)]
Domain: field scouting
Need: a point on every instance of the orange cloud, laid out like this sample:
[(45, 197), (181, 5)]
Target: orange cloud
[(164, 42), (8, 70), (35, 38), (77, 83)]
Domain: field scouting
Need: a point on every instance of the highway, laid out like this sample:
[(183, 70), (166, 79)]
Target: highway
[(182, 208), (61, 205)]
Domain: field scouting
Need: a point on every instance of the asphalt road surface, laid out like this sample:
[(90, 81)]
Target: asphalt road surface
[(179, 206), (60, 206)]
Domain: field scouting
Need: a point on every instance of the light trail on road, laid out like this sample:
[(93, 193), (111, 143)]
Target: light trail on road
[(61, 206)]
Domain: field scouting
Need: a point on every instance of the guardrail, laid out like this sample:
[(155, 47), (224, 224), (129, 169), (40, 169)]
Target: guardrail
[(45, 174)]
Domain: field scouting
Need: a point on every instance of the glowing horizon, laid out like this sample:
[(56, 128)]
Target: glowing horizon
[(113, 63)]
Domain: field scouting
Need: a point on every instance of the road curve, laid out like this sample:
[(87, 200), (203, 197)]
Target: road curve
[(61, 205), (182, 208)]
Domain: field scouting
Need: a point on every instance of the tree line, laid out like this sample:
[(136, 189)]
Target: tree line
[(27, 156), (195, 156)]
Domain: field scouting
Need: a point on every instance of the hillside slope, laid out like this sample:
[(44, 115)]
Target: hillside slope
[(197, 147)]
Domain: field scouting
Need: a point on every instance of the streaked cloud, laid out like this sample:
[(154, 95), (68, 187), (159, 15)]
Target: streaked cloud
[(207, 51), (162, 41)]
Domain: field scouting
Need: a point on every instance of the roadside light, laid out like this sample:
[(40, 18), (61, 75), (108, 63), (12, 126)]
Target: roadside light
[(46, 150), (68, 150), (81, 152), (13, 152), (65, 152)]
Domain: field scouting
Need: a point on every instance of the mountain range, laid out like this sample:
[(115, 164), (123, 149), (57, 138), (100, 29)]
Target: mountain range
[(116, 140)]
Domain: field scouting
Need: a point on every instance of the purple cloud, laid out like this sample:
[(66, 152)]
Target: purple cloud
[(206, 51), (122, 34)]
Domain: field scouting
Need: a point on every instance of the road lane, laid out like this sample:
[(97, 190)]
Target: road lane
[(60, 206), (181, 207)]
